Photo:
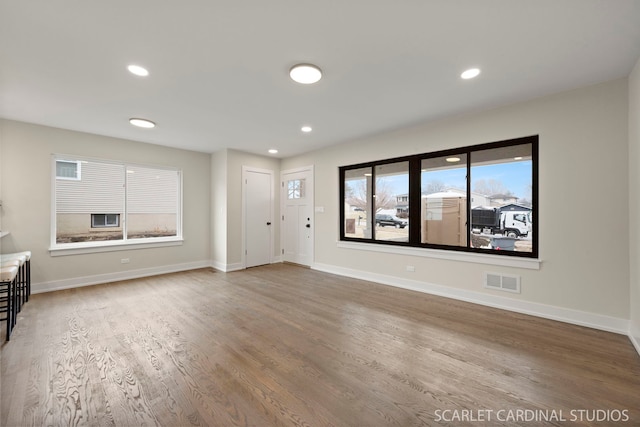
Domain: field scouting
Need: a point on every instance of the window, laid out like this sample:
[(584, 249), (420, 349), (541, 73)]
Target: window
[(68, 169), (357, 190), (443, 200), (113, 203), (105, 220), (475, 199), (295, 189), (392, 180)]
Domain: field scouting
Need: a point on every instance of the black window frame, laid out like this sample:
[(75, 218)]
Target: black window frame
[(415, 194)]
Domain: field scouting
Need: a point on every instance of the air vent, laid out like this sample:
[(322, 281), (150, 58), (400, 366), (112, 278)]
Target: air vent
[(502, 282)]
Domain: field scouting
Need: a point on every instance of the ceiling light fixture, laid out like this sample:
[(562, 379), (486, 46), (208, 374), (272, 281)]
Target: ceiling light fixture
[(273, 151), (306, 129), (453, 159), (142, 123), (138, 70), (305, 74), (517, 158), (470, 73)]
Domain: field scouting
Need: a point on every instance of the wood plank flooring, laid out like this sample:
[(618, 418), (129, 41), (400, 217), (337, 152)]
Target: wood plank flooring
[(282, 345)]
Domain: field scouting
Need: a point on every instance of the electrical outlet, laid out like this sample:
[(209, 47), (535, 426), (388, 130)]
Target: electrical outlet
[(125, 261)]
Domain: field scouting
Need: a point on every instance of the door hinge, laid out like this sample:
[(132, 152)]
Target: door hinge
[(282, 251), (283, 217)]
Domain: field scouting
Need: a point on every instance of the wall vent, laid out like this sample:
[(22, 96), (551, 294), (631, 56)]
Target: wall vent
[(502, 282)]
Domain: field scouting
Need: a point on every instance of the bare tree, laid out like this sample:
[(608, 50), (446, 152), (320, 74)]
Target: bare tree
[(356, 195), (434, 186), (491, 187), (384, 198)]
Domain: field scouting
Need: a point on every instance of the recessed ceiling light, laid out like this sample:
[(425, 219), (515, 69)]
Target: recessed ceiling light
[(305, 73), (138, 70), (517, 158), (306, 129), (470, 73), (142, 123), (273, 151), (453, 159)]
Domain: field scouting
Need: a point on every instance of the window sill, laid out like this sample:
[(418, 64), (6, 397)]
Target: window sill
[(506, 261), (97, 247)]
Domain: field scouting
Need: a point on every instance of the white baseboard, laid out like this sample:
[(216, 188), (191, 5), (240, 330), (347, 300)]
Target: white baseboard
[(77, 282), (633, 334), (226, 268), (576, 317)]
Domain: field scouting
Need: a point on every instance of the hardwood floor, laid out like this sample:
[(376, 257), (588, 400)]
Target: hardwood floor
[(282, 345)]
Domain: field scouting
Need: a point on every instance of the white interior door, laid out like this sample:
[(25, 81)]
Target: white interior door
[(258, 216), (297, 218)]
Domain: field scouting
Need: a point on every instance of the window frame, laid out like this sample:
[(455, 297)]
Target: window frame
[(63, 249), (415, 194)]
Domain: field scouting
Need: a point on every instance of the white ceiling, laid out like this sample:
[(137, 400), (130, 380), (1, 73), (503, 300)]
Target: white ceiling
[(219, 68)]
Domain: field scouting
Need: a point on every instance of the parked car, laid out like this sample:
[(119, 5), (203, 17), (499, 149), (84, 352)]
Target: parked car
[(383, 220)]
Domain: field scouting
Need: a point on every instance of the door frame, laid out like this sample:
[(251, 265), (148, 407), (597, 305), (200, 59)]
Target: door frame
[(312, 200), (245, 171)]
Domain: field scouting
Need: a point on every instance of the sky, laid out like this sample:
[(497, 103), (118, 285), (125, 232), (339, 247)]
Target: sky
[(515, 176)]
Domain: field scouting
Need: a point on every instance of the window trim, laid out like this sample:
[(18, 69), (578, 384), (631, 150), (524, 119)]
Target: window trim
[(62, 249), (415, 195)]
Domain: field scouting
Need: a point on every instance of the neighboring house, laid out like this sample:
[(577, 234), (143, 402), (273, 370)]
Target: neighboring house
[(402, 206), (90, 200), (478, 199), (498, 200), (402, 200), (515, 207)]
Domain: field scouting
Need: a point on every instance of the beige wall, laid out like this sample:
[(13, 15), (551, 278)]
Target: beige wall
[(227, 205), (219, 209), (235, 161), (26, 190), (583, 179), (634, 201)]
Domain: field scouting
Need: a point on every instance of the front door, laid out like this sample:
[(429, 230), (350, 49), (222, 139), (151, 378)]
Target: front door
[(297, 218)]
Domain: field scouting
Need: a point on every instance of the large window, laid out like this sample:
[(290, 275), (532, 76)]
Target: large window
[(114, 203), (475, 199)]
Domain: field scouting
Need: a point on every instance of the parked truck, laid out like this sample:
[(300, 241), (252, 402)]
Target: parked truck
[(495, 221)]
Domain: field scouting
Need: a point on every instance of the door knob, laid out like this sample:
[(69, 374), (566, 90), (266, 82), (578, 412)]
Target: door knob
[(268, 223), (308, 225)]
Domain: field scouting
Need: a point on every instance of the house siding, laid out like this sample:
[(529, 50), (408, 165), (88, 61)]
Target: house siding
[(99, 190), (152, 201), (162, 184)]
